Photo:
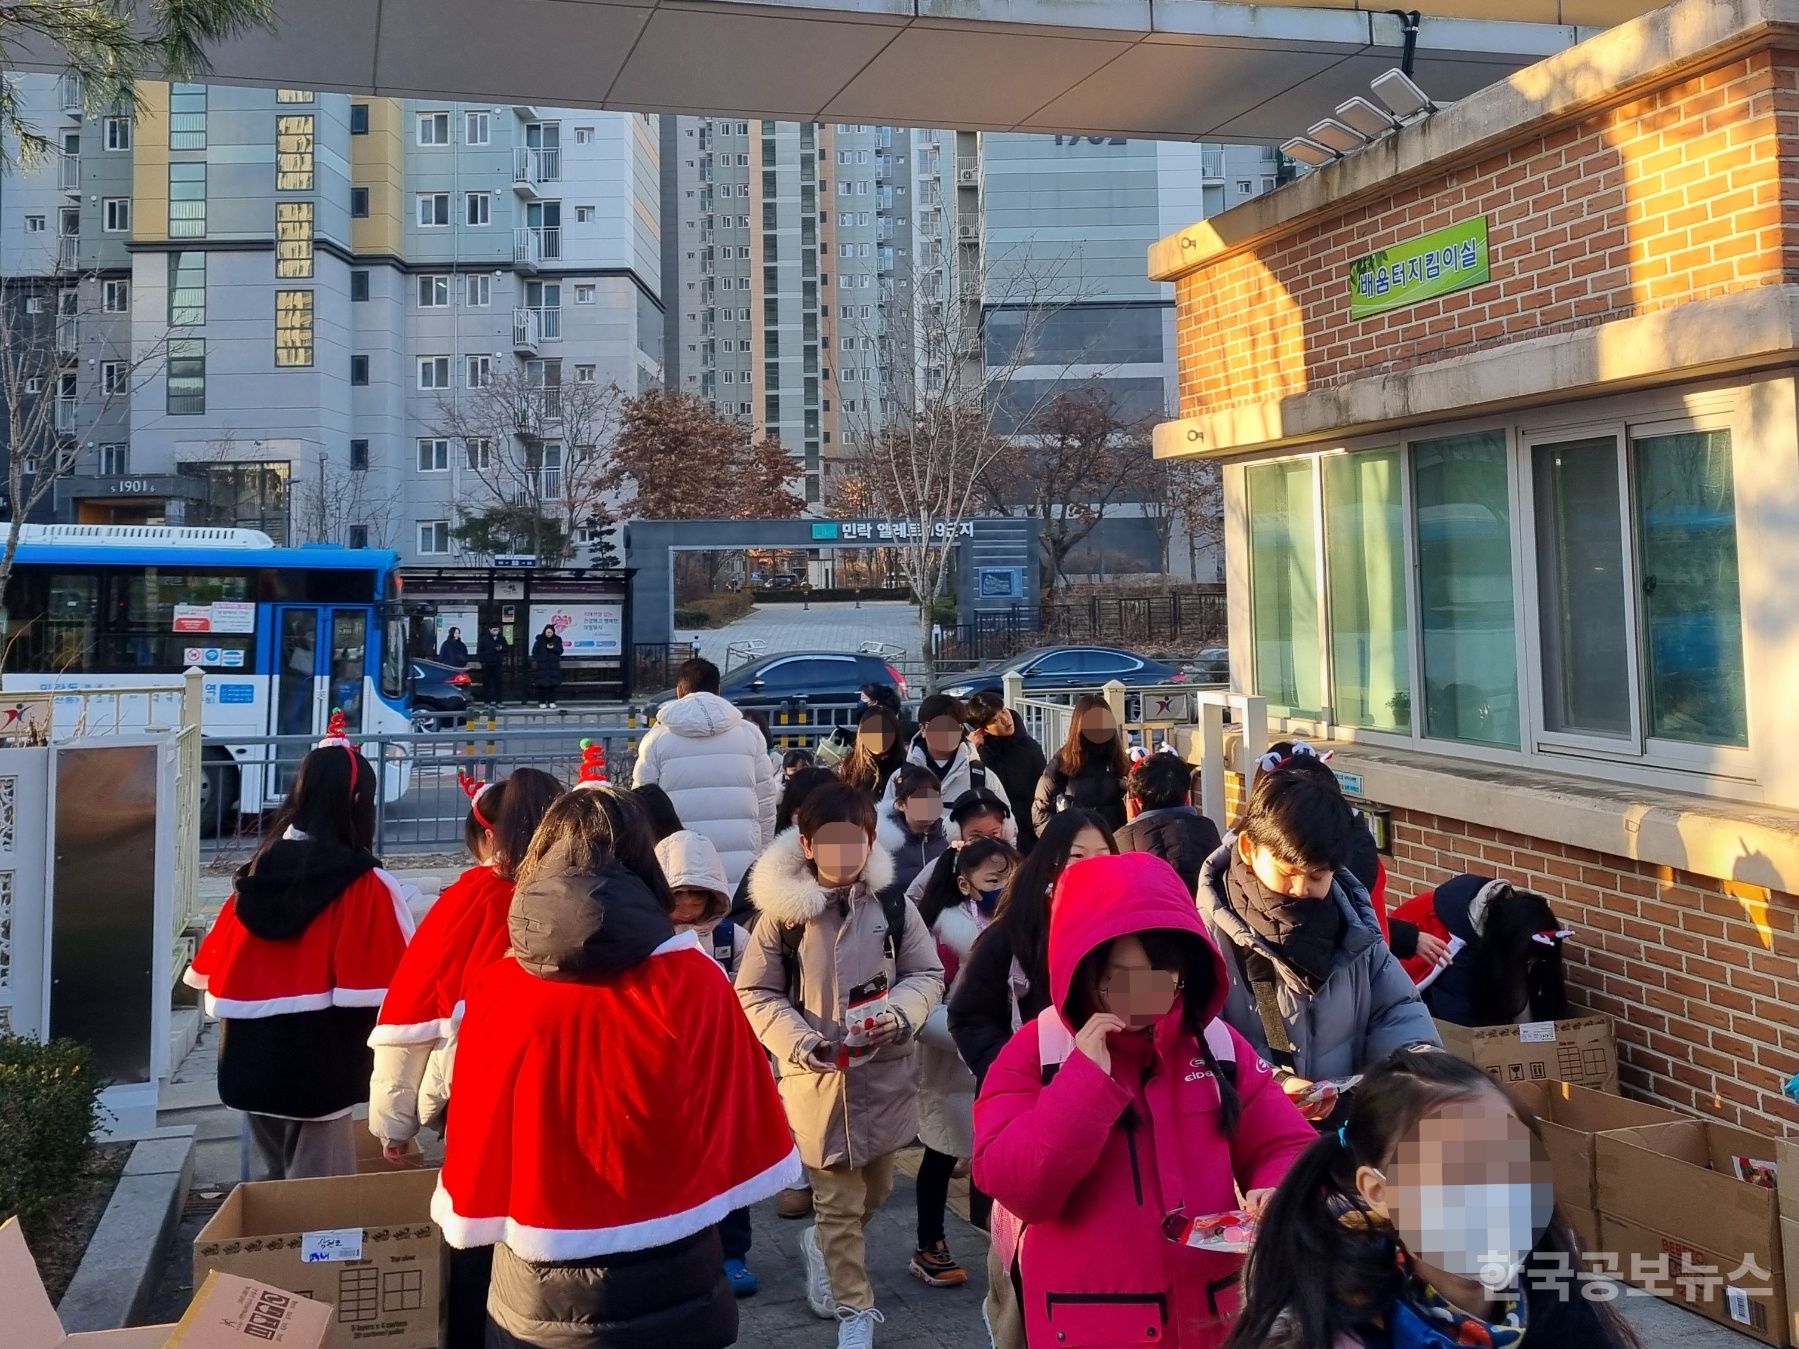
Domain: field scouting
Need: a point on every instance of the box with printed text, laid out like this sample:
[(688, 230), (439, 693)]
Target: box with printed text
[(1578, 1049)]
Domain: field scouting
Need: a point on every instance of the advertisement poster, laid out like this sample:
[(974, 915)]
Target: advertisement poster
[(220, 616), (586, 629)]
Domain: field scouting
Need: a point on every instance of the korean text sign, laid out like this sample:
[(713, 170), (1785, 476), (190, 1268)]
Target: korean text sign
[(1440, 263)]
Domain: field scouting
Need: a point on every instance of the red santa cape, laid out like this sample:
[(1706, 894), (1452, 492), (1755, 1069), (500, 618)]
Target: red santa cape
[(344, 958), (612, 1114), (464, 932)]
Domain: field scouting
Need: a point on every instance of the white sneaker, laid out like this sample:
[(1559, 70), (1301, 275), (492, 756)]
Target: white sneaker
[(818, 1279), (856, 1329)]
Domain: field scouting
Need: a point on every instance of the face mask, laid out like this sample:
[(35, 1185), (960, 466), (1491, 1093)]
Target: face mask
[(1477, 1231), (988, 900)]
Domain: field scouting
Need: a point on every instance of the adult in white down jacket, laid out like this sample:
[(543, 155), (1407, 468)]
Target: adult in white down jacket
[(714, 766)]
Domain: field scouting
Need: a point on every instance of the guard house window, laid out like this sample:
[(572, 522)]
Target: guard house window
[(293, 152), (434, 537), (187, 117), (293, 239), (1364, 544), (1283, 564), (293, 328), (187, 377), (187, 201), (359, 455), (359, 119), (187, 289), (434, 128)]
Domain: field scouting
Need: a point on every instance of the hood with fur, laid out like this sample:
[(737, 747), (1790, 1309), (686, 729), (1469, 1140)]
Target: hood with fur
[(698, 716), (784, 888)]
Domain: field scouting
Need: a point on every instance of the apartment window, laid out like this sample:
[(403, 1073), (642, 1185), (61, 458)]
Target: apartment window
[(479, 290), (434, 210), (34, 224), (1364, 555), (112, 378), (744, 409), (359, 285), (359, 456), (434, 292), (480, 371), (434, 538), (477, 128), (1245, 185), (584, 135), (34, 384), (585, 294), (115, 460), (293, 153), (359, 371), (585, 374), (358, 536), (359, 203), (434, 455), (584, 215), (293, 328), (187, 377), (115, 297), (434, 372), (434, 128), (187, 117), (293, 96), (187, 289), (115, 212), (115, 133), (187, 201), (293, 239), (359, 119), (479, 450), (478, 209)]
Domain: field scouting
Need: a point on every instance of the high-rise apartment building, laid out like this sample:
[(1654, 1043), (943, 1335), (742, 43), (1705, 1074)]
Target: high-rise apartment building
[(278, 308)]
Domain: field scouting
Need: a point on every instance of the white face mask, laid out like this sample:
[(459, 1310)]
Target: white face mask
[(1480, 1232)]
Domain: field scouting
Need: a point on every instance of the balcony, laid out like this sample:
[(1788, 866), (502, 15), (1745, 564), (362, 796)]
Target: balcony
[(67, 246), (1211, 165), (533, 245), (527, 331), (68, 89), (549, 321), (65, 416), (68, 173), (531, 168), (68, 332)]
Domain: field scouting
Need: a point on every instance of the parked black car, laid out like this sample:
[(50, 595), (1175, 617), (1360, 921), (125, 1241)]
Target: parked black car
[(440, 694), (825, 684), (1063, 667)]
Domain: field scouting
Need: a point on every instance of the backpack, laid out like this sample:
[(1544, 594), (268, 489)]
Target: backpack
[(724, 945), (1055, 1042), (893, 908)]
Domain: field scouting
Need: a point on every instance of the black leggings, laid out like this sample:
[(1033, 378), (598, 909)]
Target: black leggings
[(933, 1198)]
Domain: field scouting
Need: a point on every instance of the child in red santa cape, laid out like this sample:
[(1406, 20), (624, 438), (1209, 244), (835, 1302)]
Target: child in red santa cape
[(297, 963), (598, 1067)]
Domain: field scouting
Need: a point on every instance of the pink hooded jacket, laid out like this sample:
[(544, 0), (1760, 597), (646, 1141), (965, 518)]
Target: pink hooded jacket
[(1091, 1164)]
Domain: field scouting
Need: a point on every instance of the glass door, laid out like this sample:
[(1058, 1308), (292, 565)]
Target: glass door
[(346, 677), (297, 701)]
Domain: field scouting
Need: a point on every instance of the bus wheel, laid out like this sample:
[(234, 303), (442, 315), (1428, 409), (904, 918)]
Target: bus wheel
[(218, 792)]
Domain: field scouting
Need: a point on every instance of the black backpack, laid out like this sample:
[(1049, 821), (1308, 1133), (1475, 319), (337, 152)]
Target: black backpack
[(893, 908)]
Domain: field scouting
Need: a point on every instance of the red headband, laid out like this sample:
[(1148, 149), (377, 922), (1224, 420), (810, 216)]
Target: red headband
[(593, 764), (337, 733), (473, 787)]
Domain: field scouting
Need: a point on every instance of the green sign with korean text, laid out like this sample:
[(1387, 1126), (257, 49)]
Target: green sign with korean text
[(1440, 263)]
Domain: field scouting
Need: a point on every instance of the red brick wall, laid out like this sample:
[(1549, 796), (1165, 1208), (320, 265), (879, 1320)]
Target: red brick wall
[(1673, 197)]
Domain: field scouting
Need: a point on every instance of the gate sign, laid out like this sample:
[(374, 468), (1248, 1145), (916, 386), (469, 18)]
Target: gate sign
[(1440, 263), (585, 629)]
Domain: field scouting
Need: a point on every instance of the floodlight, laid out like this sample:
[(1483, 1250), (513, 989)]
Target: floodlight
[(1402, 95), (1309, 153), (1371, 121), (1333, 135)]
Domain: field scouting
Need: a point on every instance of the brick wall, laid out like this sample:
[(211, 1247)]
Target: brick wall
[(1675, 196)]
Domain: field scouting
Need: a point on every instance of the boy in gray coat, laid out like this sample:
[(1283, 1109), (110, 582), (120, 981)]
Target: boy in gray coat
[(1313, 986)]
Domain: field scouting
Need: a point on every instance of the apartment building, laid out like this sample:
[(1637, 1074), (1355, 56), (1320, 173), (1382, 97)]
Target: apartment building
[(277, 307)]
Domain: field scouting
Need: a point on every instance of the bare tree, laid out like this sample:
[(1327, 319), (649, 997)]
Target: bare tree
[(329, 500), (543, 453), (1181, 493)]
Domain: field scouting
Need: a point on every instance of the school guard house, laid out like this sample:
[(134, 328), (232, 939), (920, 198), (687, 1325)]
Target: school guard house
[(1507, 404)]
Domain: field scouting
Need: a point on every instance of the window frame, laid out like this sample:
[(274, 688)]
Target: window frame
[(439, 283), (421, 120), (418, 210), (434, 526), (470, 118), (432, 361), (115, 215), (486, 282), (116, 134), (439, 449), (468, 210), (117, 287)]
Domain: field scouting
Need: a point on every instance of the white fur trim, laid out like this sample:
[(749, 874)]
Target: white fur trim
[(1482, 902), (250, 1009), (402, 894), (193, 978), (956, 929), (543, 1244), (681, 941), (783, 887), (417, 1033)]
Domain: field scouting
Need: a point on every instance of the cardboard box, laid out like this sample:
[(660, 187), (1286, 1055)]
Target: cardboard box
[(366, 1244), (227, 1313), (1570, 1116), (1789, 1245), (1579, 1049), (371, 1162), (1786, 1153), (1670, 1189)]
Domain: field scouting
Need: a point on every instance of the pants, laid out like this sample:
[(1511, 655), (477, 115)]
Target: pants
[(734, 1233), (493, 684), (1001, 1310), (844, 1201), (980, 1207), (933, 1195), (300, 1149), (471, 1273), (546, 693)]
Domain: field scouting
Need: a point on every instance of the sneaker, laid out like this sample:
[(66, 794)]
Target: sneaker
[(818, 1280), (937, 1267), (794, 1203), (856, 1327), (552, 707), (743, 1283)]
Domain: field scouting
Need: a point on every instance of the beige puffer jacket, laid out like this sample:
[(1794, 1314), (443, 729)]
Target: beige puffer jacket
[(852, 1117)]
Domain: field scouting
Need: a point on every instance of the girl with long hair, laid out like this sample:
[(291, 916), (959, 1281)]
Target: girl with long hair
[(1089, 770)]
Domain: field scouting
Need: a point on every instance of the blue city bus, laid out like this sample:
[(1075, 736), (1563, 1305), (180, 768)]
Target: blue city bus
[(284, 636)]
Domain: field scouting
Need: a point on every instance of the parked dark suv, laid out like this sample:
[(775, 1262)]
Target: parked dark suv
[(822, 683)]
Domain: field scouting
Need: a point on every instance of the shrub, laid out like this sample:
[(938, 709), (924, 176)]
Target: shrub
[(689, 618), (49, 1109)]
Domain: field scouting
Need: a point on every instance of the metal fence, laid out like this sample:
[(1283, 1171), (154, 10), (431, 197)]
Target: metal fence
[(1178, 619)]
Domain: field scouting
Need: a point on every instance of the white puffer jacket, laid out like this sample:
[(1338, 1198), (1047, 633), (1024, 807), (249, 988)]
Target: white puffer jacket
[(714, 766)]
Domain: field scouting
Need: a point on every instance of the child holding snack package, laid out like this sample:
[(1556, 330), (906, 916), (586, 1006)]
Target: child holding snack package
[(836, 981), (1121, 1126)]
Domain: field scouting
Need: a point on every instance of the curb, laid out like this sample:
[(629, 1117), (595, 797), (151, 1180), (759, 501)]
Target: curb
[(114, 1282)]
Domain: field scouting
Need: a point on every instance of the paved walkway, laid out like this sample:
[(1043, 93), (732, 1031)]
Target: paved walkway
[(823, 627)]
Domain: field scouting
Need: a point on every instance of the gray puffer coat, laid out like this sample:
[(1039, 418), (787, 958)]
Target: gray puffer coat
[(1366, 1008)]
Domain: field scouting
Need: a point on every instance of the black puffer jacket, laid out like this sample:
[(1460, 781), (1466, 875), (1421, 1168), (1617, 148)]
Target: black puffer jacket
[(1096, 786), (1179, 835), (1018, 761)]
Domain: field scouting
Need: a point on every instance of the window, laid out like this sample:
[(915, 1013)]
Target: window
[(479, 450), (1461, 501), (115, 133), (1584, 624), (187, 377), (477, 128), (434, 128), (1284, 584), (293, 239), (584, 294), (34, 384), (434, 372), (359, 119), (585, 374), (293, 328), (115, 297), (434, 292), (359, 456), (434, 209), (479, 290), (113, 380), (293, 96), (584, 135), (434, 537), (115, 460), (187, 117), (359, 286), (187, 201), (480, 371), (34, 224), (359, 203), (187, 289), (358, 536), (359, 371), (478, 209), (1364, 543), (434, 455), (116, 211), (293, 153)]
